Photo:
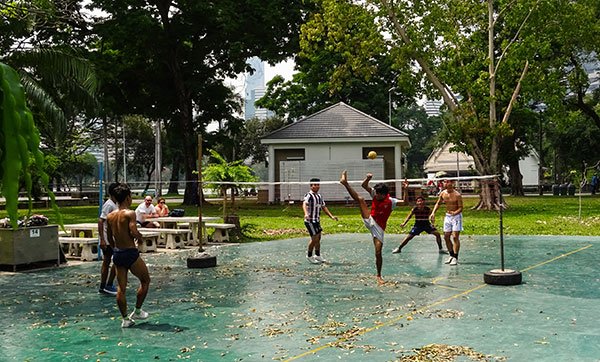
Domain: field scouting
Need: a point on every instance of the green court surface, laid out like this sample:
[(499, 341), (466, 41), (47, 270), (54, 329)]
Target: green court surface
[(265, 302)]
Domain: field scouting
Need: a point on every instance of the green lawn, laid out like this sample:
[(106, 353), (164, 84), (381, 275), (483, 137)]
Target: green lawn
[(532, 215)]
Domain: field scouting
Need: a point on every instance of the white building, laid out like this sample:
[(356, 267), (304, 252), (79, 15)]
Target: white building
[(325, 143)]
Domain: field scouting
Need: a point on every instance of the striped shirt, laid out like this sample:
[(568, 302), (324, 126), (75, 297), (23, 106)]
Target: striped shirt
[(314, 202)]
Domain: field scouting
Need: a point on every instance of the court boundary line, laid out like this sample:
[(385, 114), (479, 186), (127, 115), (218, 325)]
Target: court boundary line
[(422, 309)]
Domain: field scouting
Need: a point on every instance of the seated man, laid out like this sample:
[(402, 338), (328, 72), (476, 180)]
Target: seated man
[(145, 212)]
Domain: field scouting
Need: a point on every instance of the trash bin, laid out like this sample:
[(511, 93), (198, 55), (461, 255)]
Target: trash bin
[(555, 190), (571, 190), (563, 189)]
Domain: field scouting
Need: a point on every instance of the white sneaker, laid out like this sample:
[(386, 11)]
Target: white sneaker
[(449, 260), (397, 250), (319, 259), (454, 262), (141, 315), (312, 260), (126, 323)]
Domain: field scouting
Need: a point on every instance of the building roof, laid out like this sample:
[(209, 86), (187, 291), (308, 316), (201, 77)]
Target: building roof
[(441, 159), (337, 121)]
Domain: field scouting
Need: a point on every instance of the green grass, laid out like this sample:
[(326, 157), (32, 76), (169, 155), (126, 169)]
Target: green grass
[(533, 215)]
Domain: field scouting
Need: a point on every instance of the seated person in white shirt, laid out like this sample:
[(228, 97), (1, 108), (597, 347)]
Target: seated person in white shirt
[(145, 212)]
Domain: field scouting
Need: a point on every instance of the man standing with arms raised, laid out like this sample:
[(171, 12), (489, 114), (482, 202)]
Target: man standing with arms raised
[(452, 220), (122, 232)]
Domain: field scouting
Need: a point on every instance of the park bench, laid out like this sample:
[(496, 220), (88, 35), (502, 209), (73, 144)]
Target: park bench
[(84, 248), (174, 238), (149, 241), (221, 232)]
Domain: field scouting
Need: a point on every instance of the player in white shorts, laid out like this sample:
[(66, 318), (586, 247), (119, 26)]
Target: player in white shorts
[(452, 221)]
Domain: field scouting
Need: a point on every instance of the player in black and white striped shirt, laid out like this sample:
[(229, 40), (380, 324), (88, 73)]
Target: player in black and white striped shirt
[(312, 206)]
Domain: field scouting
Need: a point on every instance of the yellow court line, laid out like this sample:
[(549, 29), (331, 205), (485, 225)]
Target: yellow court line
[(558, 257), (402, 316)]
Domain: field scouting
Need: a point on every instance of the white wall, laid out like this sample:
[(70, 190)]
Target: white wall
[(303, 171)]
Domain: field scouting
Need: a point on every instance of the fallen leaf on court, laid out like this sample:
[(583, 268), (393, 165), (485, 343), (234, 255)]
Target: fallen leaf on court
[(447, 353)]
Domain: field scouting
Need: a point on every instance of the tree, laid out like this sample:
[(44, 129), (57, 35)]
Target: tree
[(182, 52), (343, 57), (19, 141), (484, 59), (228, 174)]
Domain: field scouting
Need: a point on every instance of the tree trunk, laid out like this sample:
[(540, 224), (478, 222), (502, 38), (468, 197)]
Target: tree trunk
[(174, 181), (516, 179)]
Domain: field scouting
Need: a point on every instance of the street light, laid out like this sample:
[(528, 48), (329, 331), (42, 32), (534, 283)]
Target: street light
[(390, 105)]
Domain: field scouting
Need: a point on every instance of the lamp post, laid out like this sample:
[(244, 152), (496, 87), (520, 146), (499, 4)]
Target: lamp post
[(390, 105)]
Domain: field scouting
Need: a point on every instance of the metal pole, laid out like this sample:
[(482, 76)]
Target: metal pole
[(200, 224), (157, 161), (100, 199), (501, 226), (390, 105), (124, 155)]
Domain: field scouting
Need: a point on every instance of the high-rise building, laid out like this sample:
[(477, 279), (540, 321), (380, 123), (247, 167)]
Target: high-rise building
[(254, 90)]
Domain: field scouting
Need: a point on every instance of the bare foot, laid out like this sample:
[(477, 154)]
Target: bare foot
[(344, 178), (380, 280)]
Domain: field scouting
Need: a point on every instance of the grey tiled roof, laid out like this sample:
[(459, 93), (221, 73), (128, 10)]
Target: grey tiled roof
[(337, 121)]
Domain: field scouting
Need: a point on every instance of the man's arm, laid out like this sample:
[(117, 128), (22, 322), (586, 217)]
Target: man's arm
[(459, 205), (365, 183), (109, 235), (101, 222), (133, 230), (437, 205), (324, 208), (305, 209), (410, 214)]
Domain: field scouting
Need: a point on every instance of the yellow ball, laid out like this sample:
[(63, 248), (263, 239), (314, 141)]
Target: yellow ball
[(372, 155)]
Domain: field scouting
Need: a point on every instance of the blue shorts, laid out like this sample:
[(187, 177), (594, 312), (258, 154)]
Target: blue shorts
[(418, 229), (313, 227), (125, 257)]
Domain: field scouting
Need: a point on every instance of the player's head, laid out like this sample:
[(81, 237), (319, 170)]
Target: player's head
[(448, 184), (122, 193), (381, 191), (111, 188), (420, 200), (315, 184)]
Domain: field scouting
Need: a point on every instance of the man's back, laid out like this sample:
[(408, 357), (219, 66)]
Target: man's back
[(121, 225)]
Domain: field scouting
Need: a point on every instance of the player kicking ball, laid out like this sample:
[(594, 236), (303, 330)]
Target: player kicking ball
[(375, 219)]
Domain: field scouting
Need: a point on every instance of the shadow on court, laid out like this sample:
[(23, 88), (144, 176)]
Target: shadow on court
[(264, 301)]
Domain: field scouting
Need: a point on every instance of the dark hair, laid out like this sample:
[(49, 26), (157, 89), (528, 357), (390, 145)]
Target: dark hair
[(111, 188), (420, 197), (314, 180), (381, 188), (121, 192)]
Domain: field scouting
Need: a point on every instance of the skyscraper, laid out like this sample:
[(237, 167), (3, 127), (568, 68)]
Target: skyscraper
[(254, 89)]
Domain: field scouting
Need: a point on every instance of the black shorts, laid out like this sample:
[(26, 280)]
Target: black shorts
[(313, 227), (125, 257), (417, 229), (144, 224)]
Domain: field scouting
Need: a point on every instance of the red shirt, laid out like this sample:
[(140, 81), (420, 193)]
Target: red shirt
[(381, 210)]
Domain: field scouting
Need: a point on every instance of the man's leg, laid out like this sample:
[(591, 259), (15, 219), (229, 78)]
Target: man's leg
[(317, 244), (140, 270), (121, 295), (456, 242), (448, 241), (378, 259), (364, 209), (438, 239), (111, 275), (404, 242)]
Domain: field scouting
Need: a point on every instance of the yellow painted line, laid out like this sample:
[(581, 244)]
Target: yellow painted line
[(556, 258), (441, 301)]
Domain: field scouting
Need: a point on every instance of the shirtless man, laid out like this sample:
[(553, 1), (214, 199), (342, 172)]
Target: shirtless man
[(375, 219), (121, 232), (452, 221)]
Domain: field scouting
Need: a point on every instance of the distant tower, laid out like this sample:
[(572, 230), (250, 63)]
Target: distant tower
[(254, 90)]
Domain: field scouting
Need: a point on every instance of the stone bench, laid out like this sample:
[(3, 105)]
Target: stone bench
[(85, 249), (221, 232), (174, 238), (149, 241)]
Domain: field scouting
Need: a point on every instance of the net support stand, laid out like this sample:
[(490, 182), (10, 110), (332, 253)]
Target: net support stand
[(202, 259), (502, 276)]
